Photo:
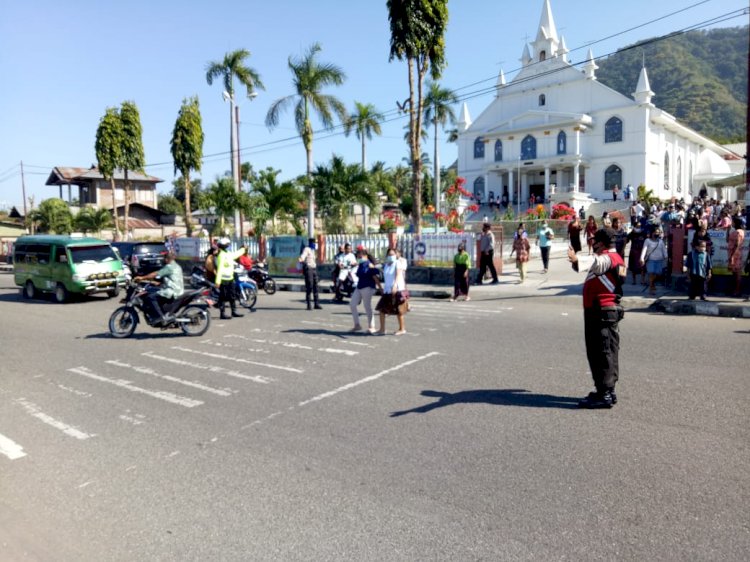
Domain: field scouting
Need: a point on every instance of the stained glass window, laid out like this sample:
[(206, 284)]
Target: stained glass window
[(562, 143), (613, 130), (498, 150), (612, 177), (528, 148), (479, 148)]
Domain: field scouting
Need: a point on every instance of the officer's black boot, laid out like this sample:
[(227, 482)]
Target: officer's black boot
[(224, 315), (317, 304), (236, 314), (309, 306)]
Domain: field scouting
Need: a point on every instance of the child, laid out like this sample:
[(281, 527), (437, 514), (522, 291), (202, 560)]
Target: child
[(699, 269)]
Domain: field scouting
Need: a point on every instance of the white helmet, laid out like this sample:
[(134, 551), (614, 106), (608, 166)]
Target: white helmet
[(223, 243)]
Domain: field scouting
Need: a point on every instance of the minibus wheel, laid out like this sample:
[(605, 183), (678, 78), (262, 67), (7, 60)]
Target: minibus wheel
[(29, 291), (61, 293)]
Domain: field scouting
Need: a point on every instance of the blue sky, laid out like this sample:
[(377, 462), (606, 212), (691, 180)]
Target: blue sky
[(64, 63)]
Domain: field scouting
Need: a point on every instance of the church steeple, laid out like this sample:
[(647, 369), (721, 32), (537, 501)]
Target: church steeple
[(590, 67), (526, 56), (465, 121), (563, 50), (643, 93), (547, 42), (500, 81)]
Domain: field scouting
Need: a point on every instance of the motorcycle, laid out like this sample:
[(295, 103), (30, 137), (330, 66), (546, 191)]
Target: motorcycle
[(260, 275), (188, 312), (245, 288), (343, 284)]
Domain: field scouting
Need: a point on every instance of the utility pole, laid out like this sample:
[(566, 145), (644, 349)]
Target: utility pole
[(23, 190), (238, 165)]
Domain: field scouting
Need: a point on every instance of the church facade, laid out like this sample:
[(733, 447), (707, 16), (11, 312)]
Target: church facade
[(554, 132)]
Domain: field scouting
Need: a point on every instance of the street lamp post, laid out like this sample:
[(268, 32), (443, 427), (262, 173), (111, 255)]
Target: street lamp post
[(233, 156)]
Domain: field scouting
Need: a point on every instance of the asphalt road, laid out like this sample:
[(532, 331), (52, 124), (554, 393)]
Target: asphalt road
[(280, 436)]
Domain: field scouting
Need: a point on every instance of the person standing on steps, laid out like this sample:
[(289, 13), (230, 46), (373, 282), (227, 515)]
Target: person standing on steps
[(310, 272), (487, 253), (602, 313), (225, 278)]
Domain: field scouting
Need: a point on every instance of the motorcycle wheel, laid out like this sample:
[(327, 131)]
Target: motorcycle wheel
[(247, 298), (269, 286), (199, 321), (122, 323)]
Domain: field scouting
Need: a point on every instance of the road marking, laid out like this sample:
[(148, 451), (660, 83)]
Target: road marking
[(210, 368), (69, 430), (10, 448), (219, 344), (74, 391), (193, 384), (173, 454), (367, 379), (326, 324), (340, 339), (291, 346), (85, 484), (127, 385), (130, 419), (236, 359)]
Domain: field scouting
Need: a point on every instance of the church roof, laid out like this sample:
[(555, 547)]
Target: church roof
[(711, 164), (547, 29)]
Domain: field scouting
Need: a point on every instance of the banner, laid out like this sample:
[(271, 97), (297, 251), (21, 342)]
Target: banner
[(720, 250), (188, 249), (283, 253), (438, 250)]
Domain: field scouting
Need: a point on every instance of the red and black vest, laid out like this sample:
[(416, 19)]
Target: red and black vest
[(606, 289)]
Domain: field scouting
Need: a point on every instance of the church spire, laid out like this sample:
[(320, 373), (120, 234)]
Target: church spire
[(526, 56), (547, 41), (465, 121), (643, 93), (590, 67), (500, 81), (563, 50)]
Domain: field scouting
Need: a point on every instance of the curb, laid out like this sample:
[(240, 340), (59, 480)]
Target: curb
[(702, 308), (419, 293)]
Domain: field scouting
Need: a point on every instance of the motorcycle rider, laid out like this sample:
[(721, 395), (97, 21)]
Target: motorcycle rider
[(170, 288), (347, 263), (225, 278), (245, 260)]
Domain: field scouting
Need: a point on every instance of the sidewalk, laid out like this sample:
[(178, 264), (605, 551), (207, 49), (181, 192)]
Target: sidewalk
[(562, 284)]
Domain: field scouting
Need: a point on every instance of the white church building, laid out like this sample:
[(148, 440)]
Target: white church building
[(556, 133)]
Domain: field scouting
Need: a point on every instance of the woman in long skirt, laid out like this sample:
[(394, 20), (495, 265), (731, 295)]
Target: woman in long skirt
[(394, 301), (574, 234), (461, 263)]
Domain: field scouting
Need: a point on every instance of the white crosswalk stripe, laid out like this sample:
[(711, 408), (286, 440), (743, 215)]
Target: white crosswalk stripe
[(236, 359), (10, 448), (33, 410), (289, 345), (127, 385), (211, 368), (193, 384)]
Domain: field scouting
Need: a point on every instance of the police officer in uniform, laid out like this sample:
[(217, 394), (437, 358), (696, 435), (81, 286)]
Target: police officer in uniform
[(225, 278), (602, 313)]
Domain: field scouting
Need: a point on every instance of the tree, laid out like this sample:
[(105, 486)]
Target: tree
[(338, 186), (178, 190), (282, 200), (52, 215), (401, 177), (364, 122), (383, 181), (133, 157), (109, 138), (438, 111), (187, 148), (222, 199), (309, 77), (91, 219), (170, 205), (418, 35)]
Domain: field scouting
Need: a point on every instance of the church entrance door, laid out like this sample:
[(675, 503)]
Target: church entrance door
[(537, 191)]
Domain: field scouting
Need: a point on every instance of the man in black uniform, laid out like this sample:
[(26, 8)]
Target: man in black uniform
[(602, 313)]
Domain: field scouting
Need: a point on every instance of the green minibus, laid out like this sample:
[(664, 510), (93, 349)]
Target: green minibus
[(62, 265)]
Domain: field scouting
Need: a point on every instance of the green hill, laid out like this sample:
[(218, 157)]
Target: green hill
[(700, 77)]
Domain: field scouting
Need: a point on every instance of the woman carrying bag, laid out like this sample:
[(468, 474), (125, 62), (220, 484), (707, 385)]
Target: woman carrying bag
[(395, 297)]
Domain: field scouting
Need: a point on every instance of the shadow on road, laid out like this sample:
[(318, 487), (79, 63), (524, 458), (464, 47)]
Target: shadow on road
[(504, 397), (344, 334), (172, 333)]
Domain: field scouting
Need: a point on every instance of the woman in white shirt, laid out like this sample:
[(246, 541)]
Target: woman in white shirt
[(653, 257), (394, 299)]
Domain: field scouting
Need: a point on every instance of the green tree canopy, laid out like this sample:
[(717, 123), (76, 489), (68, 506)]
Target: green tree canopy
[(281, 199), (53, 216), (337, 186), (133, 157), (187, 148), (108, 147), (233, 67), (91, 219), (438, 110)]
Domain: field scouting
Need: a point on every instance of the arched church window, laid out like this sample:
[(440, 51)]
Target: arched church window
[(498, 150), (562, 143), (613, 130), (479, 188), (679, 174), (666, 170), (542, 99), (542, 56), (612, 177), (479, 148), (528, 148)]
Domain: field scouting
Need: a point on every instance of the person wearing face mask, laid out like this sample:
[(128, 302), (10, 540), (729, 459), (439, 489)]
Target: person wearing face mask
[(602, 314), (699, 268), (544, 236), (368, 280), (394, 299), (461, 265), (653, 256), (310, 272), (522, 249)]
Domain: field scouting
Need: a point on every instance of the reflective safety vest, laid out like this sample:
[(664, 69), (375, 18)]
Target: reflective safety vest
[(604, 290), (225, 265)]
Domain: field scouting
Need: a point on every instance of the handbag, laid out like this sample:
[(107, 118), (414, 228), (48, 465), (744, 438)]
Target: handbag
[(402, 297), (300, 266)]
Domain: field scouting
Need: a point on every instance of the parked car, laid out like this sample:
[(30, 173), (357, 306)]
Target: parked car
[(141, 257)]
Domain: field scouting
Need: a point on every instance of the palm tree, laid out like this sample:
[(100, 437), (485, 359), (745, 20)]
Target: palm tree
[(281, 199), (222, 199), (438, 111), (90, 219), (52, 215), (364, 122), (233, 66), (339, 185), (383, 181), (309, 77)]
